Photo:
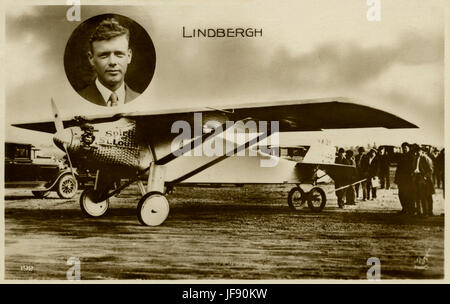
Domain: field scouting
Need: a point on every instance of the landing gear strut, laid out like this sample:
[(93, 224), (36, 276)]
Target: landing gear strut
[(315, 199)]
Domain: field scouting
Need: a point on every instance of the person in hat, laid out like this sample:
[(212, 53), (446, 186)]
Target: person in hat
[(384, 168), (340, 178), (350, 191), (358, 158), (369, 167), (403, 179), (415, 201), (423, 180)]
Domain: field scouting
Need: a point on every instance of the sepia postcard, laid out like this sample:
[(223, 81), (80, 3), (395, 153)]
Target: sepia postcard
[(223, 141)]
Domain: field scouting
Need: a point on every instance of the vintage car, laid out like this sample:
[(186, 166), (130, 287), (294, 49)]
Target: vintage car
[(25, 169), (393, 152)]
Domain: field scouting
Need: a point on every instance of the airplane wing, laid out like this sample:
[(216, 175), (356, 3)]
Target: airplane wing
[(296, 115)]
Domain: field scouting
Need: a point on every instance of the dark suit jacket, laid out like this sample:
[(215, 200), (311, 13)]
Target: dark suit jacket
[(405, 168), (92, 94), (369, 169)]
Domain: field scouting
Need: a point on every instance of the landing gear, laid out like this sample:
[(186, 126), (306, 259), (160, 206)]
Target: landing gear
[(316, 199), (296, 198), (89, 205), (153, 209)]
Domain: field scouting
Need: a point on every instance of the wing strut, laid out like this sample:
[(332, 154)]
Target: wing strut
[(221, 158)]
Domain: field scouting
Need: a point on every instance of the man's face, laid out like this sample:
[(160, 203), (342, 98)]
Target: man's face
[(110, 58), (405, 149)]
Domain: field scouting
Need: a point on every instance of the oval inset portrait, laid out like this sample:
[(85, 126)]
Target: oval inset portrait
[(109, 60)]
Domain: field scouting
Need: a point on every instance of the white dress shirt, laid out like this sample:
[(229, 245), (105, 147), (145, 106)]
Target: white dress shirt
[(106, 93)]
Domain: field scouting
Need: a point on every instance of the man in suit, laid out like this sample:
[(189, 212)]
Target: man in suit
[(358, 158), (350, 194), (340, 179), (369, 169), (423, 178), (384, 168), (404, 181), (109, 55)]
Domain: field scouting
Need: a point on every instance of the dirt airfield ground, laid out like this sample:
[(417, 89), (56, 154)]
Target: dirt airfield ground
[(226, 233)]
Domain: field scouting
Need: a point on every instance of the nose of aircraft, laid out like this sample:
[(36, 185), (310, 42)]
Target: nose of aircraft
[(63, 137)]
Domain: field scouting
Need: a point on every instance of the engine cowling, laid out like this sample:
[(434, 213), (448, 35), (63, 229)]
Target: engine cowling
[(114, 144)]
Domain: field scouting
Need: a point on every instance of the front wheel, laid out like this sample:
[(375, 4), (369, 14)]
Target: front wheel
[(316, 199), (67, 186), (89, 205), (153, 209), (296, 198)]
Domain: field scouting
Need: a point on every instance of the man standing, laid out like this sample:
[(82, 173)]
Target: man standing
[(440, 168), (369, 166), (109, 55), (423, 173), (403, 179), (350, 193), (340, 180), (360, 175), (384, 163)]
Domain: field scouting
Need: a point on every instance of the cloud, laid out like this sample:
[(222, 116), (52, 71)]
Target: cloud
[(405, 77), (231, 67), (35, 42), (349, 65)]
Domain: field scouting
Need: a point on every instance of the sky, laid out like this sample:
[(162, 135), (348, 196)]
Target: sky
[(309, 49)]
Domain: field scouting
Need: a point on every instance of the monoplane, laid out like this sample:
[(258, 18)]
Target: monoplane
[(194, 146)]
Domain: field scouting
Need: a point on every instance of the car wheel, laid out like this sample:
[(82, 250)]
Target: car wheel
[(67, 186)]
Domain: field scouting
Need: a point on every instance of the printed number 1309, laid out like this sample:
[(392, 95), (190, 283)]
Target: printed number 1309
[(26, 268)]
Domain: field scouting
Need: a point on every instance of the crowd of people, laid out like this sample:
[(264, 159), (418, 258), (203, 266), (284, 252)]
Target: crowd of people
[(419, 171)]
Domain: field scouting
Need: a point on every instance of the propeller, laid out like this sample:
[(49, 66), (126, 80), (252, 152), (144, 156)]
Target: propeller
[(62, 136), (58, 121)]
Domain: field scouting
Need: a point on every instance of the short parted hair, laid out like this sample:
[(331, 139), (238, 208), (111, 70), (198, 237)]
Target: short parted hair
[(108, 29)]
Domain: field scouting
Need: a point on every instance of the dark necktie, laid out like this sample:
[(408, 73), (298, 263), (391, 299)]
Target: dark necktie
[(113, 100)]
